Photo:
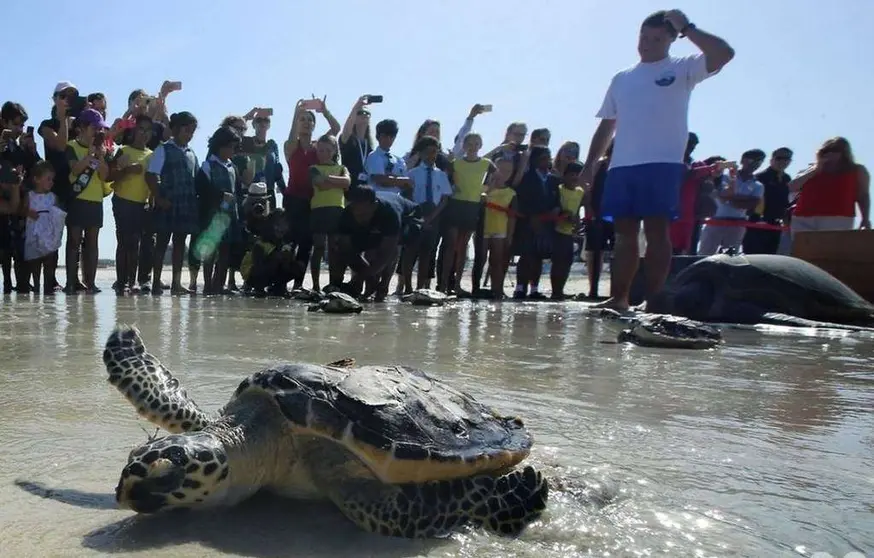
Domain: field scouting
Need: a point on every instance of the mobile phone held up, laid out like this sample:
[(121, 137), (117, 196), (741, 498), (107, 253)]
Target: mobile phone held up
[(311, 104), (77, 105), (371, 99), (486, 108), (30, 130)]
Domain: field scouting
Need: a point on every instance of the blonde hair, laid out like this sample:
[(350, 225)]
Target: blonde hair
[(332, 141)]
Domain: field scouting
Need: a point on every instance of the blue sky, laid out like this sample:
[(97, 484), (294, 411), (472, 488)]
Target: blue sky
[(799, 76)]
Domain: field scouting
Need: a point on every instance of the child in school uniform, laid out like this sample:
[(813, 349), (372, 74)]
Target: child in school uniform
[(571, 198), (499, 225)]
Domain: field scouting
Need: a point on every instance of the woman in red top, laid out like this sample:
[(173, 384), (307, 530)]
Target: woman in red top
[(830, 190), (300, 153)]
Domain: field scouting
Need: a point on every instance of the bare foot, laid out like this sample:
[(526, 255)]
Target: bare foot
[(179, 290), (612, 304)]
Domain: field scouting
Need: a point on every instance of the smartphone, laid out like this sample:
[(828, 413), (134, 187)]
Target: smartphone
[(174, 86), (30, 130), (265, 112), (311, 104), (374, 99), (76, 105), (486, 108)]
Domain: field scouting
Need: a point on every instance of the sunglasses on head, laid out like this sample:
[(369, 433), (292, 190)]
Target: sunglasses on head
[(363, 113)]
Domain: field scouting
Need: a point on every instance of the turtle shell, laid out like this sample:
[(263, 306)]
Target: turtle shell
[(405, 425)]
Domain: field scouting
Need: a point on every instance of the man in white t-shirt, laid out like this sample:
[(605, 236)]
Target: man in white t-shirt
[(647, 107), (737, 196)]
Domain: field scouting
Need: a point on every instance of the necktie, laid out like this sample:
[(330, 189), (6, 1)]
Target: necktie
[(429, 185)]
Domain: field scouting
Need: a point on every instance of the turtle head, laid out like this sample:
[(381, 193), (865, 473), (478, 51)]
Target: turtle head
[(178, 471)]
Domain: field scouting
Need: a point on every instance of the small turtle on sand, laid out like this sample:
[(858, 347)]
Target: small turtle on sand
[(399, 452), (337, 303), (662, 330), (427, 297)]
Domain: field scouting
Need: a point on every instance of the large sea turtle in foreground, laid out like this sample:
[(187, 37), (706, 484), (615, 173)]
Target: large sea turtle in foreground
[(760, 288), (397, 451)]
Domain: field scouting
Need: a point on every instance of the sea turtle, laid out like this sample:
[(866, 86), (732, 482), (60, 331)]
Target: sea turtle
[(426, 297), (761, 288), (307, 295), (337, 303), (399, 452), (661, 330)]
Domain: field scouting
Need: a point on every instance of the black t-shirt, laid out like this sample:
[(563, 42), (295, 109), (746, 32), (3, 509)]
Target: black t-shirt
[(350, 154), (388, 220), (58, 160), (776, 195)]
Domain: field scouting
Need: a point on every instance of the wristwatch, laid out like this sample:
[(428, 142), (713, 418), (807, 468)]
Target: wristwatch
[(684, 30)]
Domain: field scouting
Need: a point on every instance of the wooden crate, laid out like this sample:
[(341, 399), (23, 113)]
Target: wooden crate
[(848, 255)]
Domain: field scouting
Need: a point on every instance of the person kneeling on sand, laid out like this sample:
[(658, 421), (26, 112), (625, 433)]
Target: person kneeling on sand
[(270, 263), (372, 231)]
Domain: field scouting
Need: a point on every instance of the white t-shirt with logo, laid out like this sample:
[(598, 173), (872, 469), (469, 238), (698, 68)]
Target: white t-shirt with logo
[(650, 103)]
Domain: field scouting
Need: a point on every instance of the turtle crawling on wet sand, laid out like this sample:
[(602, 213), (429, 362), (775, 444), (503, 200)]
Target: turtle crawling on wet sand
[(662, 330), (426, 297), (307, 295), (399, 452), (337, 303)]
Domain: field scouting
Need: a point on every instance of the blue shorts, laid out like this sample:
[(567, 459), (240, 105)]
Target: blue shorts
[(639, 191)]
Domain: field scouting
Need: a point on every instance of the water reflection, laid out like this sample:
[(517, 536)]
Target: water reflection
[(755, 449)]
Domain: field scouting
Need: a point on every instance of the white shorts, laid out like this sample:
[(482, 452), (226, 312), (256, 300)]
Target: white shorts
[(823, 223)]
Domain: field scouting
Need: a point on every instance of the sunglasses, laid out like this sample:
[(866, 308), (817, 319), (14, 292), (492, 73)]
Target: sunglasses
[(363, 113)]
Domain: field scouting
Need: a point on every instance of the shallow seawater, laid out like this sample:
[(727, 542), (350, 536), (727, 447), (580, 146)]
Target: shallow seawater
[(763, 447)]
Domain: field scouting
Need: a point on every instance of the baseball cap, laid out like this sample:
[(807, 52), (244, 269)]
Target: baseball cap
[(258, 189), (90, 117), (64, 85)]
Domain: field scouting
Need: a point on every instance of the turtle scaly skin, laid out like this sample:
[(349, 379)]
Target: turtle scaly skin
[(398, 452)]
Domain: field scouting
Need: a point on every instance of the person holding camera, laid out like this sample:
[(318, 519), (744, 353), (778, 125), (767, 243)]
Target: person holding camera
[(17, 151), (89, 179), (263, 153), (300, 153), (356, 142), (270, 263)]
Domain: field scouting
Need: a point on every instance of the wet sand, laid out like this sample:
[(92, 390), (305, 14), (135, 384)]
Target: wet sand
[(762, 447)]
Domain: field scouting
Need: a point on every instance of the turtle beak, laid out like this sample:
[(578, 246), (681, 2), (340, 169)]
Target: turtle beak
[(149, 495)]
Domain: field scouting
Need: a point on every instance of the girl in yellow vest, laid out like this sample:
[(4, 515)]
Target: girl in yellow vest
[(128, 173), (571, 196), (89, 177), (330, 181), (463, 214), (499, 224)]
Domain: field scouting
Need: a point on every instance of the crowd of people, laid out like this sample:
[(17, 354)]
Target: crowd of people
[(351, 200)]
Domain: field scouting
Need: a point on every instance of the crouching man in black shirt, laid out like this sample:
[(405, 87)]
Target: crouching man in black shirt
[(372, 231)]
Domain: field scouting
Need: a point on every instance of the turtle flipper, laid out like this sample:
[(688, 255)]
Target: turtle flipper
[(504, 505), (148, 385)]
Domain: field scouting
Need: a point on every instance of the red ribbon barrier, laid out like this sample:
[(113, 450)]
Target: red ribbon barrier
[(746, 224)]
